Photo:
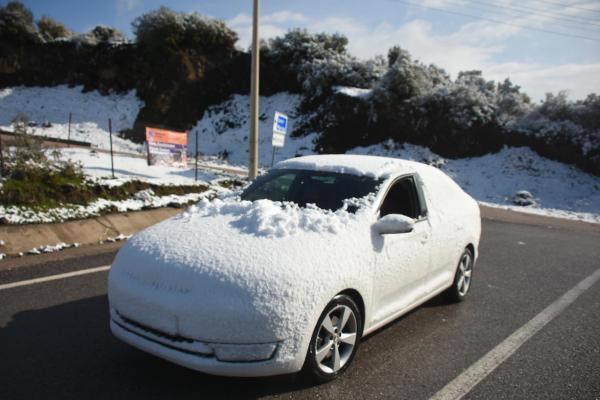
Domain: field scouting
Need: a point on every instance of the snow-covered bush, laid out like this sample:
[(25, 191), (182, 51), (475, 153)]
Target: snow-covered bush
[(564, 130), (511, 104), (50, 29), (320, 61), (165, 28), (404, 79), (16, 24), (102, 34), (456, 118), (30, 176)]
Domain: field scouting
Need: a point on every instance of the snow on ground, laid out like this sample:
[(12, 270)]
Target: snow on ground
[(559, 190), (90, 113), (97, 164), (118, 238), (51, 248), (142, 200), (225, 129)]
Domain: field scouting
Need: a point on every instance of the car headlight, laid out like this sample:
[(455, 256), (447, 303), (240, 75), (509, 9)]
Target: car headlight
[(244, 352)]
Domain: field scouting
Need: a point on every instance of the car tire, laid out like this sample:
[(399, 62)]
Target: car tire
[(334, 341), (463, 278)]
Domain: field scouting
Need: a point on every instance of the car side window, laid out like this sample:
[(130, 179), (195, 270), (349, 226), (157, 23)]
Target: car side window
[(403, 198)]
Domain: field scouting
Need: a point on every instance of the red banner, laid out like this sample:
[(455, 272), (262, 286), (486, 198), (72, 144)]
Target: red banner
[(166, 147)]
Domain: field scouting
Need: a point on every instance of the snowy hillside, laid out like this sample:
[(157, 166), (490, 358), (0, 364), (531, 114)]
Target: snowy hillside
[(224, 130), (558, 189), (90, 113)]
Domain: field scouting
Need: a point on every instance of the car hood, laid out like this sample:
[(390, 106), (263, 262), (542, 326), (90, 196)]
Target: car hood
[(250, 261)]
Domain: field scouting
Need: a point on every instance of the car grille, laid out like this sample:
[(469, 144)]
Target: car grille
[(176, 342), (155, 332)]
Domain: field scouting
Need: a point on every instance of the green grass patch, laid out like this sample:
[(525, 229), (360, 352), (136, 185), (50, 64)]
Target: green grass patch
[(42, 188)]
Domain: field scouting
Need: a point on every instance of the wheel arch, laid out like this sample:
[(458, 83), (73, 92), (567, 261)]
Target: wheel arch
[(358, 299), (471, 247)]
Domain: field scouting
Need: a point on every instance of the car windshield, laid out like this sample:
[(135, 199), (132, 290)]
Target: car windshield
[(327, 190)]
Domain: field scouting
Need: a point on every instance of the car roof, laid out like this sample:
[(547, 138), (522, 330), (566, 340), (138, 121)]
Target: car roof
[(362, 165)]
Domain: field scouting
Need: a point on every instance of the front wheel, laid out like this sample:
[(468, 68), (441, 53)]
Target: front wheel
[(462, 279), (334, 341)]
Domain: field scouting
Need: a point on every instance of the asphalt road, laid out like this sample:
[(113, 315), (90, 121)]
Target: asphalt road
[(55, 340)]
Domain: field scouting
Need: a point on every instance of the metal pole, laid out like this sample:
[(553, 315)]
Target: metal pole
[(273, 157), (112, 165), (254, 89), (69, 133), (196, 174), (1, 157)]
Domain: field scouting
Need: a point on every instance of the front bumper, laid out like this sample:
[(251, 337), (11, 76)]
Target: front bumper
[(260, 359)]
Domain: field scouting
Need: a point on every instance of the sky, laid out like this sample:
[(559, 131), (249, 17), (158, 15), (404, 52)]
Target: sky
[(541, 45)]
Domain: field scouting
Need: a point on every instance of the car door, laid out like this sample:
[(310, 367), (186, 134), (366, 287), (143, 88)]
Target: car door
[(402, 262)]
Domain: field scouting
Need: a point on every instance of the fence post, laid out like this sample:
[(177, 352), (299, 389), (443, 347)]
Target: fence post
[(273, 157), (112, 165), (69, 131), (196, 173), (1, 157)]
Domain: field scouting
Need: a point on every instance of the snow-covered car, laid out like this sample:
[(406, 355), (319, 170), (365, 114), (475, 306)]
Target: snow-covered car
[(289, 275)]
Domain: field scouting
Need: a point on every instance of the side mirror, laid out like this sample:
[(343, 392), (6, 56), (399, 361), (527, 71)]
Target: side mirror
[(394, 223)]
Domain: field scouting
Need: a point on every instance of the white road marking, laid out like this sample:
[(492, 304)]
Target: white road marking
[(467, 380), (54, 277)]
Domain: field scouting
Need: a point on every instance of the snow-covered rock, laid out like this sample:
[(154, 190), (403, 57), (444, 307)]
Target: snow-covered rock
[(523, 198)]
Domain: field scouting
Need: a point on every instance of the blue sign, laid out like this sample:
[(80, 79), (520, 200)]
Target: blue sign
[(282, 123)]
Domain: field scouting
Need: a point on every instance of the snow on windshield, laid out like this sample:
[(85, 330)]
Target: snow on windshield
[(326, 190), (275, 219)]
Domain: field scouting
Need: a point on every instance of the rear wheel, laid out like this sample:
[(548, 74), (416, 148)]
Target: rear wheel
[(334, 341), (462, 279)]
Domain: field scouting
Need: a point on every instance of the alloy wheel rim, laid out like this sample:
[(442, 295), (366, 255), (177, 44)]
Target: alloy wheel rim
[(465, 270), (336, 339)]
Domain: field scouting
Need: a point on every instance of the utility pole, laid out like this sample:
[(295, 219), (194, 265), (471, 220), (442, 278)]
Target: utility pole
[(254, 89)]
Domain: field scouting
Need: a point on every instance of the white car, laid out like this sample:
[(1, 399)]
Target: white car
[(287, 277)]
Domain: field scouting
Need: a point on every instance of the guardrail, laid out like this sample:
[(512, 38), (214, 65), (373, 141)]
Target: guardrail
[(52, 139)]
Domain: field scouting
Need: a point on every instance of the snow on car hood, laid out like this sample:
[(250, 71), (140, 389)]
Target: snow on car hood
[(263, 265)]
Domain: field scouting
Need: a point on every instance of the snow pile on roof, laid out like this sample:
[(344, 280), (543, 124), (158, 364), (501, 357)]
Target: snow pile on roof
[(276, 219), (90, 113), (559, 189), (353, 91), (224, 130), (374, 167)]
